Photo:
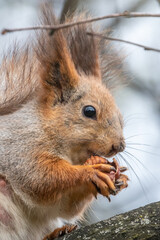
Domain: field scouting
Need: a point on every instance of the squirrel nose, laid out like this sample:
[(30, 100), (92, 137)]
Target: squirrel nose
[(118, 147)]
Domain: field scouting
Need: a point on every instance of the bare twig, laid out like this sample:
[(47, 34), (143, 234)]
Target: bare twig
[(134, 8), (62, 26), (124, 41)]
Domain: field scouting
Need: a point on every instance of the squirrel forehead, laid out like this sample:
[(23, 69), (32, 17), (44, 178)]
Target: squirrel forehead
[(93, 92), (94, 89)]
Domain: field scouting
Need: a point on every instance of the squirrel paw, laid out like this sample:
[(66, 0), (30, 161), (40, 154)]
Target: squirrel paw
[(59, 232), (98, 174), (114, 173)]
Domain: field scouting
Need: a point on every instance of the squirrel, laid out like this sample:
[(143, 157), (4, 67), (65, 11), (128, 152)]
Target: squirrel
[(56, 111)]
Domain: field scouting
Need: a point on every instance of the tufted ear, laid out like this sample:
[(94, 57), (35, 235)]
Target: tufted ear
[(57, 70), (85, 50)]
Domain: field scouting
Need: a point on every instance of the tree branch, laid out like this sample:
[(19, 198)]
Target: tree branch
[(123, 41), (134, 8), (62, 26), (142, 223)]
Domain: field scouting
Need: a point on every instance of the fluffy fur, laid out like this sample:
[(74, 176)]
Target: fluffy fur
[(45, 137)]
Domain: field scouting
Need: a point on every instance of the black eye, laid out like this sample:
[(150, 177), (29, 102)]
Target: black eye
[(89, 111)]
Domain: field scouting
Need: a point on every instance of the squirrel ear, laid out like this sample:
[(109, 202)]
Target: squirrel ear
[(57, 70)]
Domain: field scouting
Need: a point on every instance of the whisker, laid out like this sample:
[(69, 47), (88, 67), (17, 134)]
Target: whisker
[(155, 154), (137, 135), (117, 156), (135, 175), (128, 153), (140, 144), (91, 211), (134, 115), (134, 158), (95, 215), (131, 121), (126, 162)]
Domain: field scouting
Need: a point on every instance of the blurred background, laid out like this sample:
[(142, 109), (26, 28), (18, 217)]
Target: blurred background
[(139, 101)]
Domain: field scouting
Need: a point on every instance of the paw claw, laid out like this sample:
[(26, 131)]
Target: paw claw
[(123, 169), (113, 169), (106, 176), (119, 181), (109, 199), (119, 184)]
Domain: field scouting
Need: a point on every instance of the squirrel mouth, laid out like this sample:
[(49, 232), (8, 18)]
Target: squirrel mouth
[(111, 154), (100, 154)]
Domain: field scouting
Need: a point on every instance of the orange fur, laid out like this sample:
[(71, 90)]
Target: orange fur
[(46, 136)]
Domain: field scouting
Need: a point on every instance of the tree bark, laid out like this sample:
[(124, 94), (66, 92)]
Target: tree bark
[(141, 223)]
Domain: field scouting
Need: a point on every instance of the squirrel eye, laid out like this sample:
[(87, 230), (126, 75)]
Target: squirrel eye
[(89, 112)]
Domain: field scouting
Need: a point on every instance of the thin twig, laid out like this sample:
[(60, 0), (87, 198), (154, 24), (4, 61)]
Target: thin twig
[(62, 26), (134, 8), (123, 41)]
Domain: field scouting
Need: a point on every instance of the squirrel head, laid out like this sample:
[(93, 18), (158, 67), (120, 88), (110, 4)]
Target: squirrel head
[(80, 115)]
